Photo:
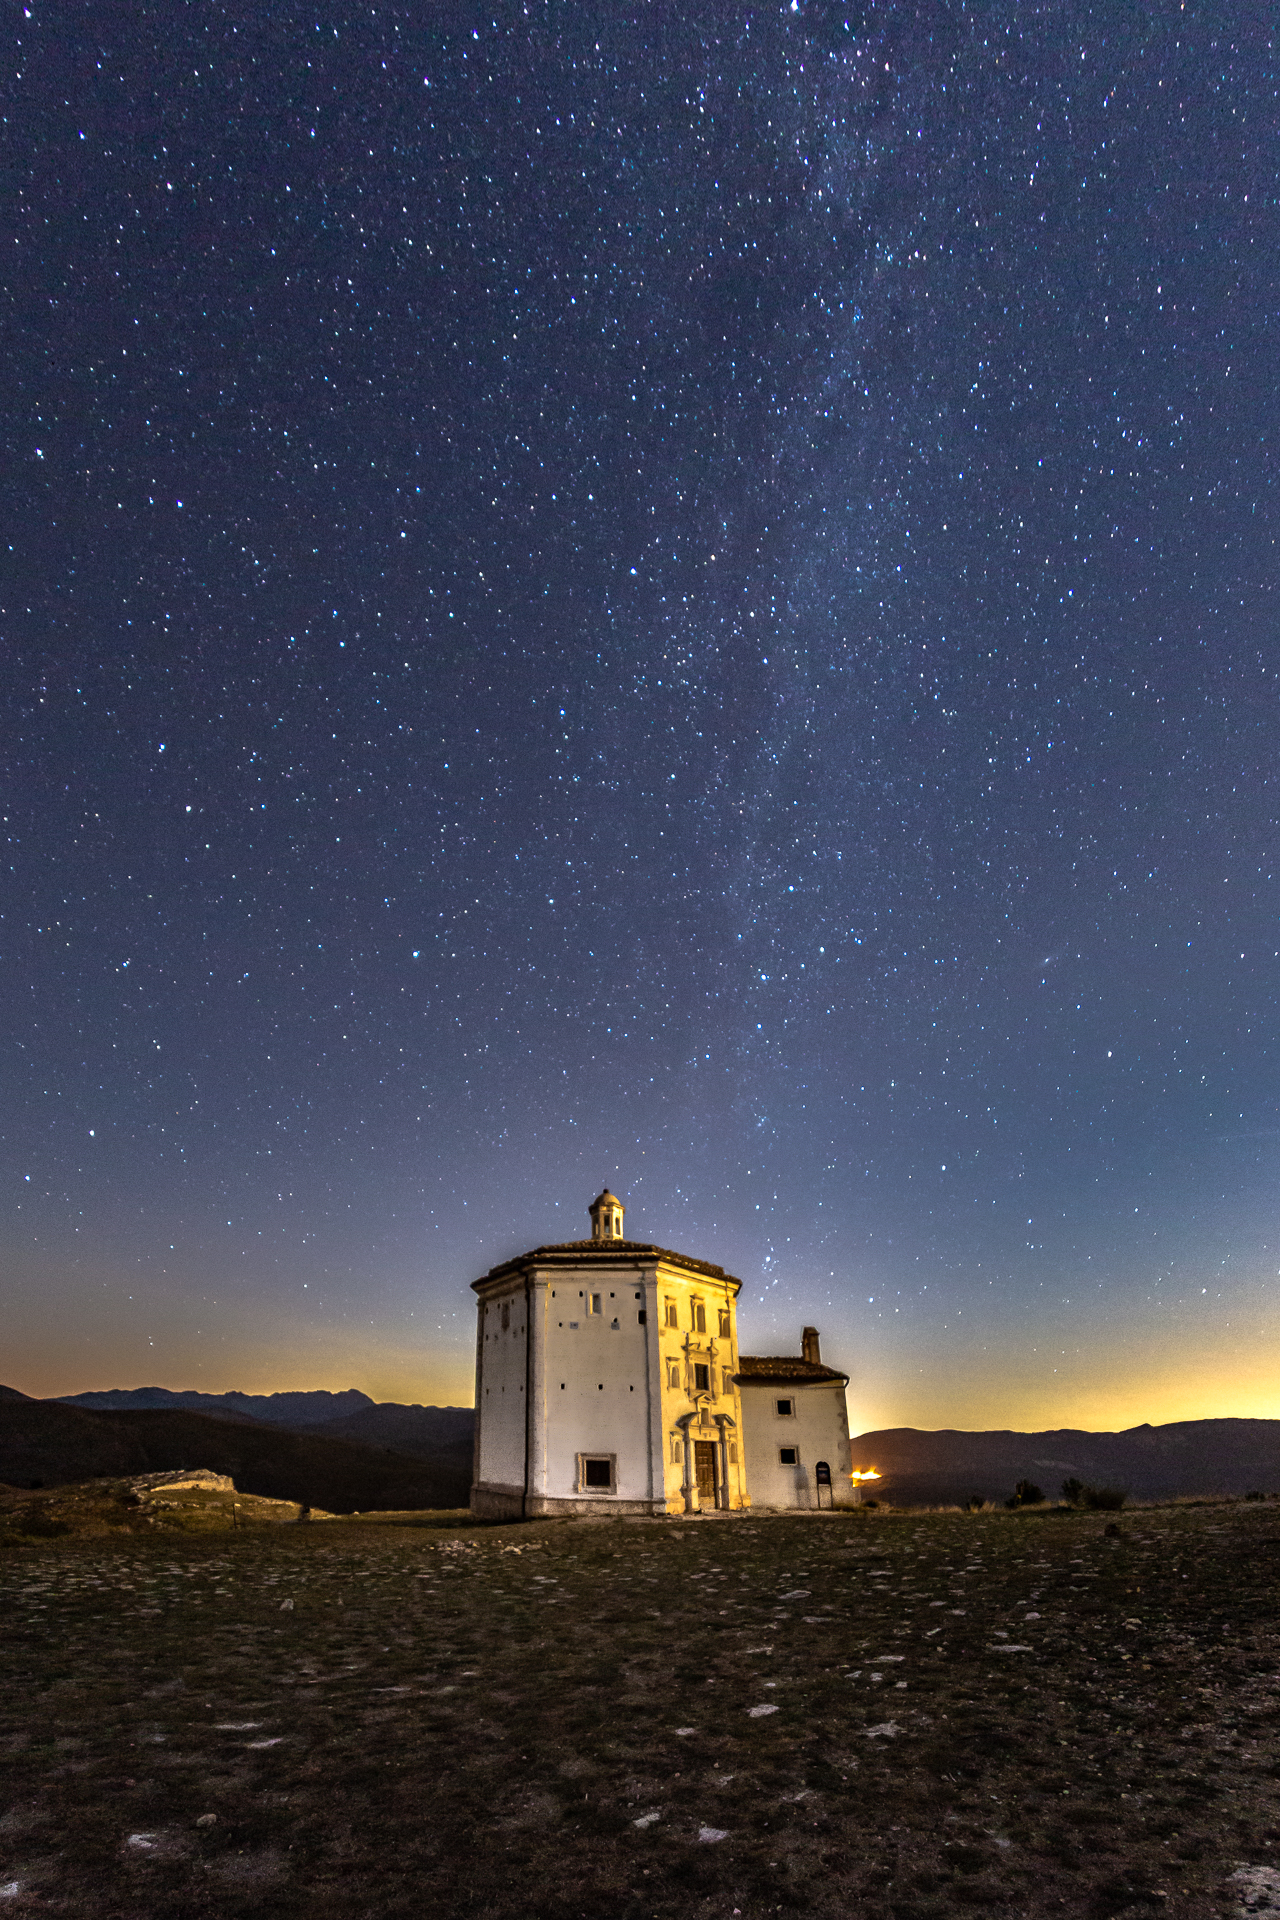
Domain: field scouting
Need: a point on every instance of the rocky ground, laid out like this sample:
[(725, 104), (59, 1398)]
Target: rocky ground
[(885, 1714)]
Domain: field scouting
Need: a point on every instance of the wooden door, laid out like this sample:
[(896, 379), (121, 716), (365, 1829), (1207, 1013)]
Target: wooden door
[(704, 1453)]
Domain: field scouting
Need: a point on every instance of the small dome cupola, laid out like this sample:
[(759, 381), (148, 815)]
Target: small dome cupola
[(606, 1217)]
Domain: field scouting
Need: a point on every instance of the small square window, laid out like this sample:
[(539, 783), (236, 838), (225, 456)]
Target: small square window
[(642, 1317), (786, 1408), (596, 1471), (789, 1456)]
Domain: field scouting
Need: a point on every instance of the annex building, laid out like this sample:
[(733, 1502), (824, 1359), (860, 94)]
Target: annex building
[(608, 1380)]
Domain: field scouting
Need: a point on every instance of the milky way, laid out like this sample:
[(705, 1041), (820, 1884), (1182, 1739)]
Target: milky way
[(673, 598)]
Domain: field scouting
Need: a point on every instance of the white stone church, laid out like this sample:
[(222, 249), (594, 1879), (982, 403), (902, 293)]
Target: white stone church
[(608, 1380)]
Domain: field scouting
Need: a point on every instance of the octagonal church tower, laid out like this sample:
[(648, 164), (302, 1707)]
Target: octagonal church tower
[(606, 1380)]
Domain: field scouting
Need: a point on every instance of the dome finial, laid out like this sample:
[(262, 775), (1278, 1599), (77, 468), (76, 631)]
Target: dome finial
[(606, 1212)]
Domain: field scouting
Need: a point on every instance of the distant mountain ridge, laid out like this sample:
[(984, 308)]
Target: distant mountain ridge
[(427, 1433), (1152, 1463), (311, 1409), (46, 1443)]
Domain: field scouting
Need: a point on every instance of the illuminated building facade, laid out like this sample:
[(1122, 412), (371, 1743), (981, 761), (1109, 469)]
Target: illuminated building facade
[(608, 1380)]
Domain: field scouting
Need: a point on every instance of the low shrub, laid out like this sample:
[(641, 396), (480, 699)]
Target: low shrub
[(1026, 1494), (1103, 1499), (1078, 1493)]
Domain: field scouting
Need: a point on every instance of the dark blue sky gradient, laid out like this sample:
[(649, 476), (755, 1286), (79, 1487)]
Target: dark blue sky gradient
[(680, 598)]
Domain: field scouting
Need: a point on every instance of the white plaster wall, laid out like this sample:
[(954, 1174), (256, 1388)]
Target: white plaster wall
[(819, 1428), (596, 1378), (501, 1404)]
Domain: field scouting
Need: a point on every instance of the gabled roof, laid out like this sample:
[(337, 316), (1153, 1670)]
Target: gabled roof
[(784, 1370), (601, 1253)]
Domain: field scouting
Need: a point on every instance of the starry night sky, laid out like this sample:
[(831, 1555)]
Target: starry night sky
[(679, 597)]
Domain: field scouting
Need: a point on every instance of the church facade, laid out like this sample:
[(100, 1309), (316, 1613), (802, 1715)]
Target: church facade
[(608, 1381)]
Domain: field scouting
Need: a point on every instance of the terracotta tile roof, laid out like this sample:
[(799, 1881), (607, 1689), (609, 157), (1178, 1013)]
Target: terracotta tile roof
[(568, 1253), (754, 1370)]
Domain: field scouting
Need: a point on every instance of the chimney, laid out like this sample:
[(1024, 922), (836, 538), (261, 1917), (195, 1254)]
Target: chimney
[(809, 1346)]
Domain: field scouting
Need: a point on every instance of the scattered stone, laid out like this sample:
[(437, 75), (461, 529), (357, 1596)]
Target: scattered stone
[(286, 1606), (685, 1731), (207, 1820), (1258, 1889), (709, 1835), (646, 1820), (885, 1731), (198, 1478), (755, 1713)]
